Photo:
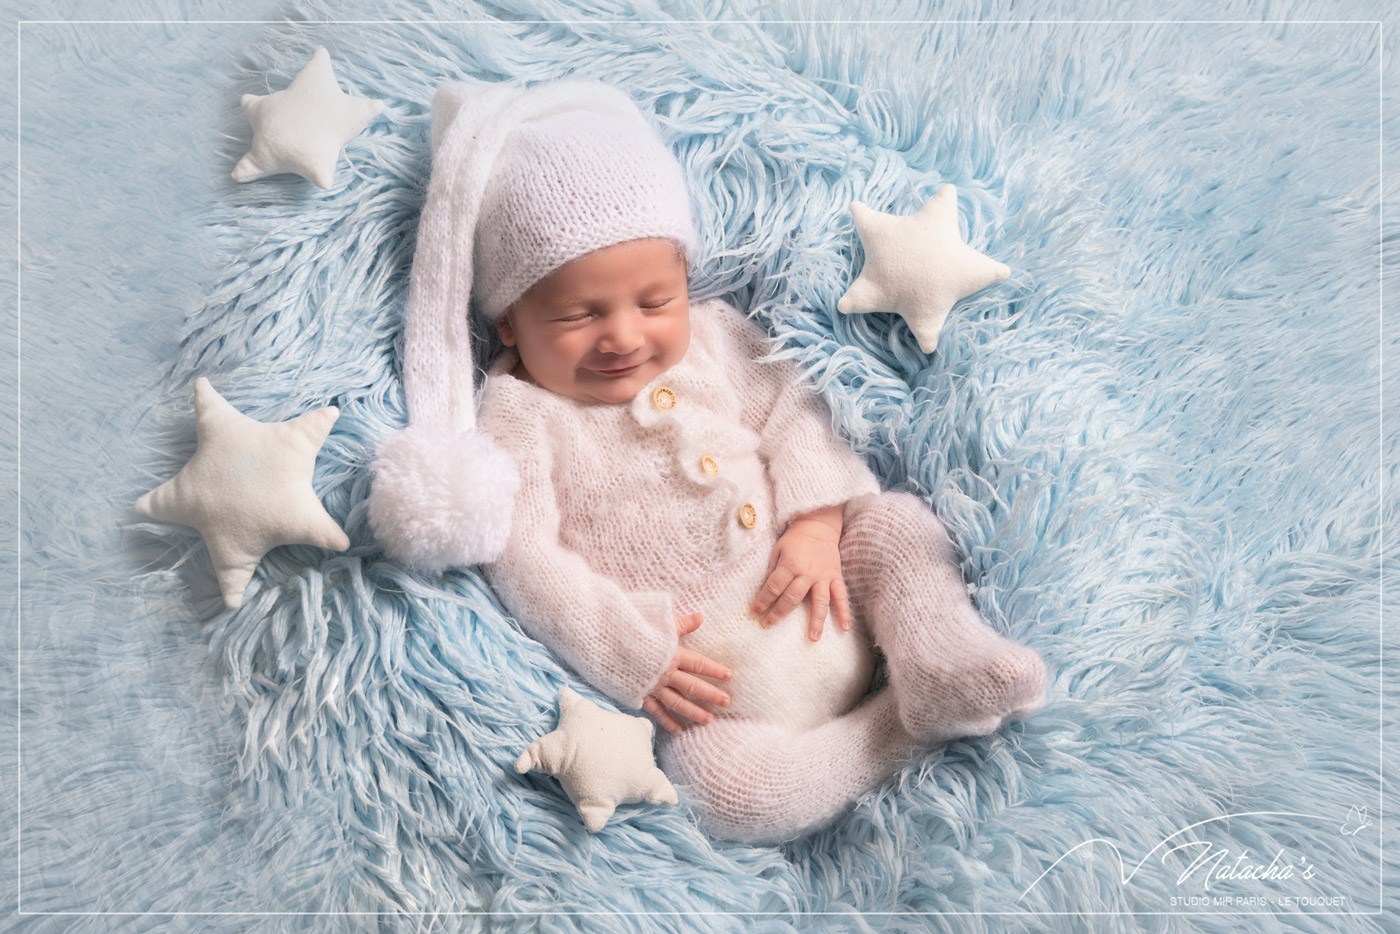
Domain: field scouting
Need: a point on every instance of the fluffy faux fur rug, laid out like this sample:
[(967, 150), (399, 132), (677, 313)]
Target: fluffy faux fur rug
[(1159, 444)]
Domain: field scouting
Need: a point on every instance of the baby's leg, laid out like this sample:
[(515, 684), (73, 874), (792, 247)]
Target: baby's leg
[(952, 674), (752, 782)]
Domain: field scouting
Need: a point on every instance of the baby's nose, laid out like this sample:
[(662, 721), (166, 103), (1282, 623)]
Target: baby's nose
[(622, 336)]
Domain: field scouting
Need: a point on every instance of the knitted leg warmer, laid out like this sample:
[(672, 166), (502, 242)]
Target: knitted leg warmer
[(952, 674), (752, 782)]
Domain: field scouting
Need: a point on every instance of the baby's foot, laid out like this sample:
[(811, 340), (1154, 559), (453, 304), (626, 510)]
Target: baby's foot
[(969, 696)]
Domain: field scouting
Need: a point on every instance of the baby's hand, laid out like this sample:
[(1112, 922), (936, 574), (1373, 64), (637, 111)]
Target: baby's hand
[(679, 688), (806, 560)]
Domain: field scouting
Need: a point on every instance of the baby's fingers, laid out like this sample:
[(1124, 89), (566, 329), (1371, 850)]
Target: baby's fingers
[(817, 616), (688, 624), (789, 601), (678, 703), (842, 601), (772, 588), (692, 661), (699, 689), (658, 713)]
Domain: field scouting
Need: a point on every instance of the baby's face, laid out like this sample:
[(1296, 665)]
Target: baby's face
[(602, 326)]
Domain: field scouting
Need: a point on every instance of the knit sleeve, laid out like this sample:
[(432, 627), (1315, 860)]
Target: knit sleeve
[(620, 642), (809, 466)]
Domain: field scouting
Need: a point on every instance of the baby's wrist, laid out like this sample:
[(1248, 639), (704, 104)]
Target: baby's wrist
[(825, 522)]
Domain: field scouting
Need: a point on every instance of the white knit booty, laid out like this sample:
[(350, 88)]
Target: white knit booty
[(967, 689), (952, 674)]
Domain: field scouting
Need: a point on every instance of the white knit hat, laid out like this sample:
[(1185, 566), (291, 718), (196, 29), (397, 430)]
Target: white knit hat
[(523, 180)]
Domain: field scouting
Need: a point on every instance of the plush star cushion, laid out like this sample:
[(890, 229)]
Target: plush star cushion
[(303, 127), (248, 488), (918, 266), (602, 758)]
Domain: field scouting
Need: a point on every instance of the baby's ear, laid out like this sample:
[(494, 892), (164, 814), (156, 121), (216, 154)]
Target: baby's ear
[(506, 328)]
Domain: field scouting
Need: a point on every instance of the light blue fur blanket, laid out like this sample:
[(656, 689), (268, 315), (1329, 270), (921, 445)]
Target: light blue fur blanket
[(1165, 446)]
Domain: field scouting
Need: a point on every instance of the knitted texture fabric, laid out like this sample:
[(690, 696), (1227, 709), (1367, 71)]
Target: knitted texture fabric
[(754, 782), (576, 182), (951, 676), (619, 527), (523, 180), (631, 514)]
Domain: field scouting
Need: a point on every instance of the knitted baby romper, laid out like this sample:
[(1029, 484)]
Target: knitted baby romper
[(632, 514), (758, 781)]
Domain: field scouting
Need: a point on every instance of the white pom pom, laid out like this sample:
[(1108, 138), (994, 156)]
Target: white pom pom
[(442, 499)]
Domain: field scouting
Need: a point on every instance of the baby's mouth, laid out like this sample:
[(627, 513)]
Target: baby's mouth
[(618, 371)]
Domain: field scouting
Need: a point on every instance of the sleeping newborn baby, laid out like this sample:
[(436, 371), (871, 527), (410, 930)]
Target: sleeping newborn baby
[(688, 533)]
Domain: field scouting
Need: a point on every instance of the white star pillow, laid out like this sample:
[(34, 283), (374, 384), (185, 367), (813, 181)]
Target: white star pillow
[(602, 758), (918, 266), (302, 128), (248, 488)]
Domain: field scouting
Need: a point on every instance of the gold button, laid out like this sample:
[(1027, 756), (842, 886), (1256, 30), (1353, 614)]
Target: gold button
[(748, 516), (708, 465), (663, 398)]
